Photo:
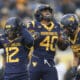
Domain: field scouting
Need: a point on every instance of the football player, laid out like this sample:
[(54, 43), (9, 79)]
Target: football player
[(46, 32), (70, 23), (16, 42)]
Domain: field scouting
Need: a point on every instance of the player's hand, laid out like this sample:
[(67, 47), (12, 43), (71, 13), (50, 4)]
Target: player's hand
[(63, 41), (35, 35)]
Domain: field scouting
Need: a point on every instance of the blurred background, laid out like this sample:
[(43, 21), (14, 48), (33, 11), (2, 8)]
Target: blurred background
[(25, 10)]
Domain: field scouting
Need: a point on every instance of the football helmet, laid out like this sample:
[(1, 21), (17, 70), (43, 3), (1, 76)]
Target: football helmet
[(38, 13), (70, 22), (12, 28)]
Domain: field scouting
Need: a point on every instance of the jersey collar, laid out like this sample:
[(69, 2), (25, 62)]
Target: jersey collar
[(49, 28)]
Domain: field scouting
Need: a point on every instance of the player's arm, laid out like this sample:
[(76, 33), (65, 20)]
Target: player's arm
[(27, 38), (64, 53), (63, 42), (30, 27), (64, 60), (64, 56)]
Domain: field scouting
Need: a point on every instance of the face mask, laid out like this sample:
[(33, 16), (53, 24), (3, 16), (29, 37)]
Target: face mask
[(47, 18)]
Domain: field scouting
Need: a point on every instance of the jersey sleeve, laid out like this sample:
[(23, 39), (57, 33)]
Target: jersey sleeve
[(27, 38)]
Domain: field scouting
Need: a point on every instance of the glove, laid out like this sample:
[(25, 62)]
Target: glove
[(63, 41), (35, 35)]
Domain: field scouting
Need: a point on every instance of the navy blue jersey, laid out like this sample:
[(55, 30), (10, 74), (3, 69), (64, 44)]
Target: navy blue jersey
[(16, 52), (44, 45), (75, 44)]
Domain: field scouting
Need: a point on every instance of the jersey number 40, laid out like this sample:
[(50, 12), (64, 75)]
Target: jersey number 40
[(49, 43)]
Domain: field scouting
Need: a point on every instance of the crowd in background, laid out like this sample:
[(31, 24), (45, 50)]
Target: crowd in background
[(9, 8)]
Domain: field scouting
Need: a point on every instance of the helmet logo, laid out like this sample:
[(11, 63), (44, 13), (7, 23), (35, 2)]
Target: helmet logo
[(71, 19)]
